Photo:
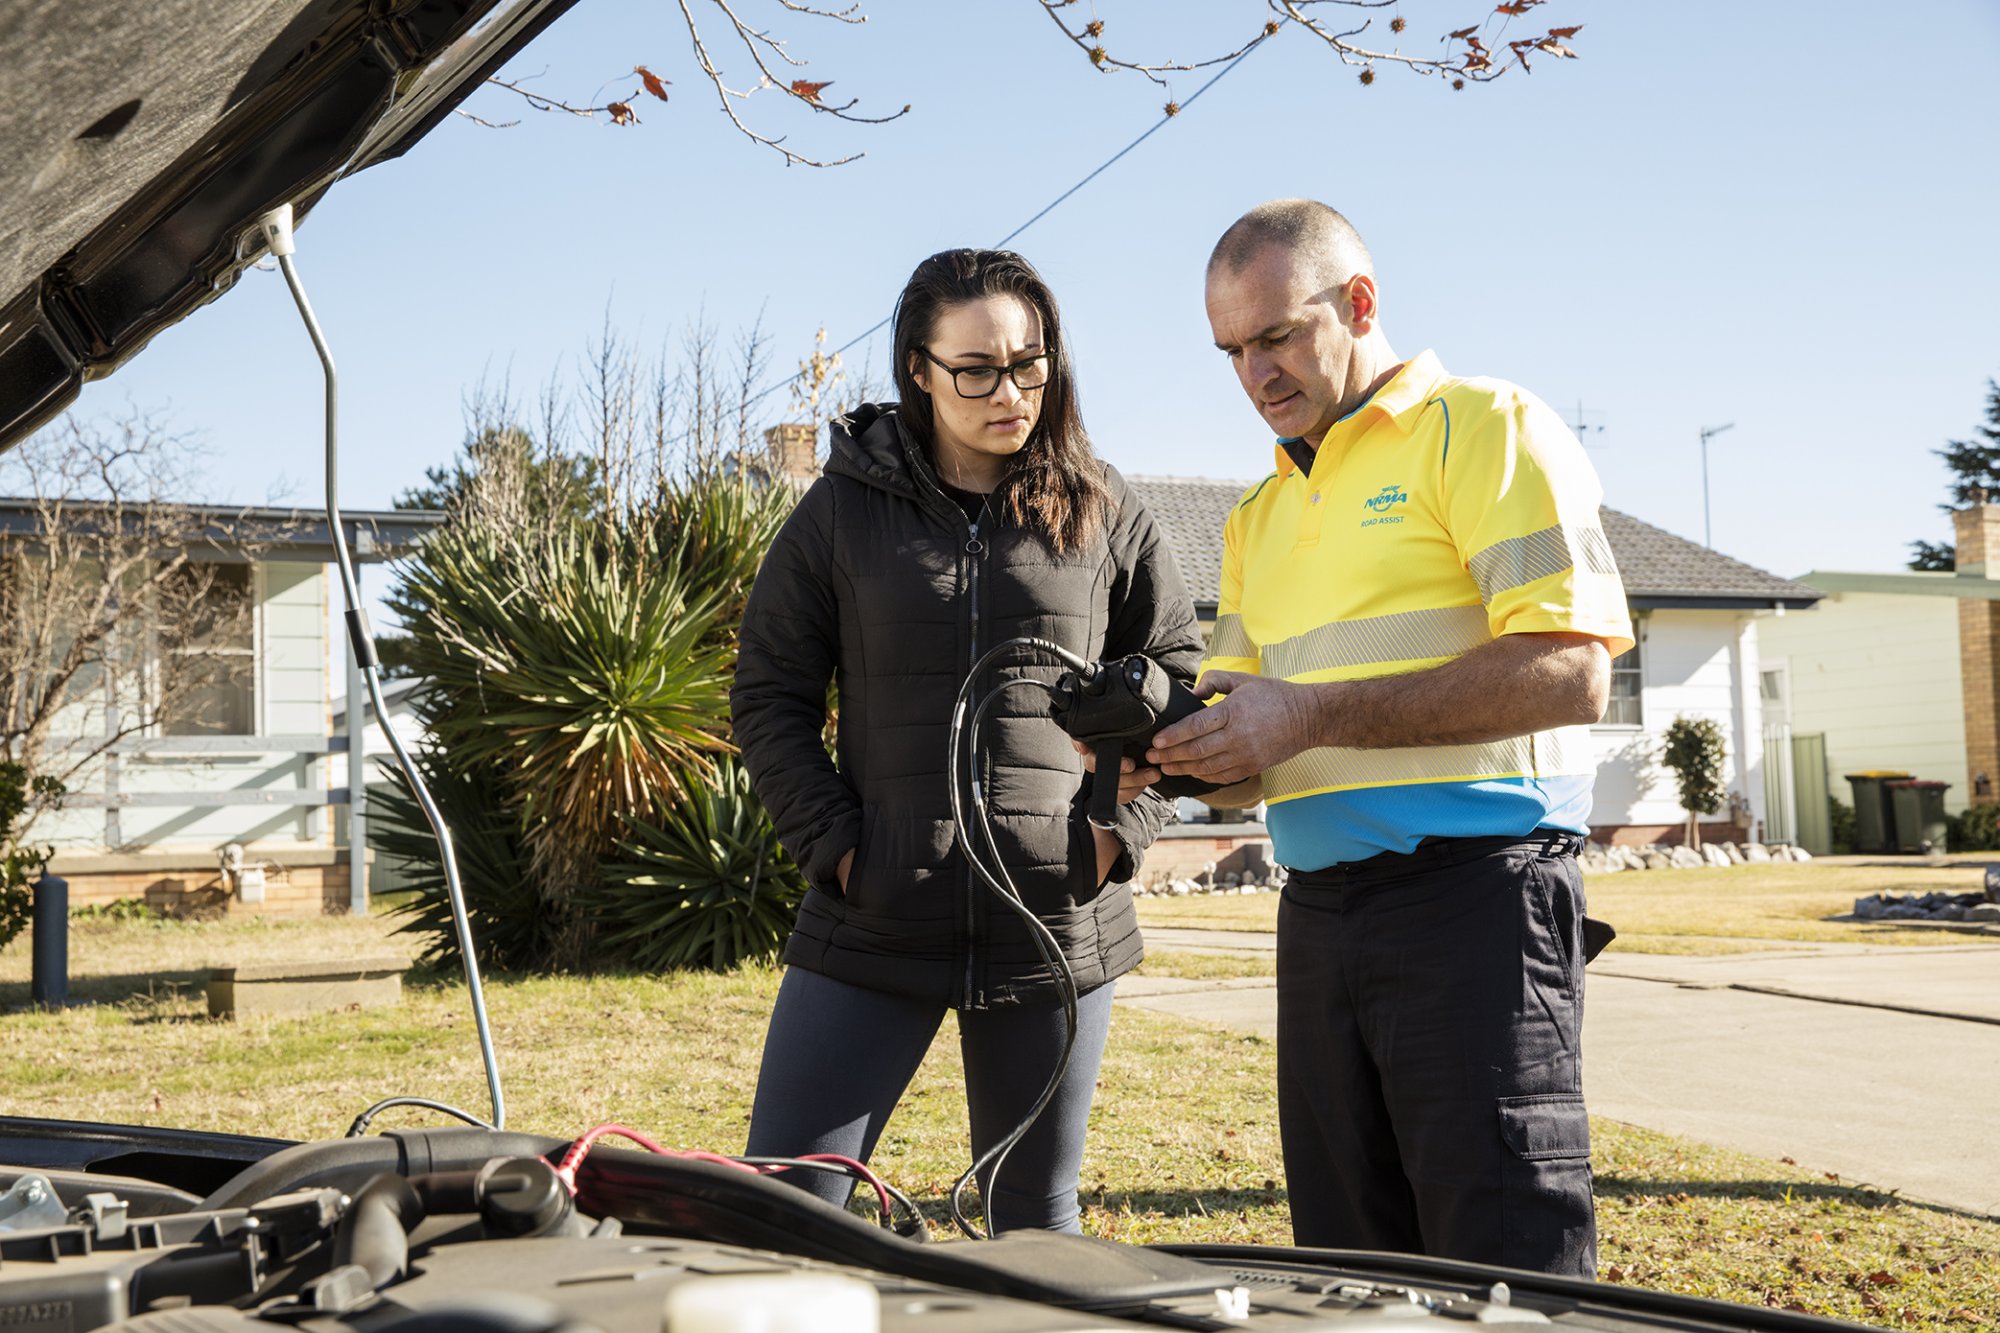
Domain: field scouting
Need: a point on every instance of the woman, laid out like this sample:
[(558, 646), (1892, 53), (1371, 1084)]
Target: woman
[(971, 512)]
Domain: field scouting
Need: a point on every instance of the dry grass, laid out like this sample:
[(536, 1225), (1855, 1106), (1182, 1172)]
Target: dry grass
[(1690, 911), (1203, 965), (1676, 1216), (1775, 902), (1184, 1143), (1212, 911)]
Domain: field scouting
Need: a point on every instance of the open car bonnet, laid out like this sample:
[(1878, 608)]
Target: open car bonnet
[(139, 143)]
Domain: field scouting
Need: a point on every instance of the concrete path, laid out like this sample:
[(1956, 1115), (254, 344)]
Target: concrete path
[(1879, 1064)]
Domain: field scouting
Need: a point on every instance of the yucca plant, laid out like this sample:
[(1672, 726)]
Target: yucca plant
[(576, 669), (511, 926), (588, 684), (705, 885), (716, 529)]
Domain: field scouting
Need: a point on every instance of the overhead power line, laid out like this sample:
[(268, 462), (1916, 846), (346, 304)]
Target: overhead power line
[(1047, 209)]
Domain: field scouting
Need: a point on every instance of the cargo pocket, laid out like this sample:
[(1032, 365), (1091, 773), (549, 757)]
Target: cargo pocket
[(1549, 1221)]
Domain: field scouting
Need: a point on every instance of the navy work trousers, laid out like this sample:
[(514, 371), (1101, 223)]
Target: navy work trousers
[(1430, 1017), (838, 1058)]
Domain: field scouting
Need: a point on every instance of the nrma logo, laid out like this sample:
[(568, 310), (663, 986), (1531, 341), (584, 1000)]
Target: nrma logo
[(1391, 495)]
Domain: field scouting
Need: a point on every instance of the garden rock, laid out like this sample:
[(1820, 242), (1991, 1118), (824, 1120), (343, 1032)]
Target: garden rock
[(1733, 852), (1801, 854), (1983, 912), (1657, 861), (1993, 884), (1686, 858), (1756, 855), (1714, 855)]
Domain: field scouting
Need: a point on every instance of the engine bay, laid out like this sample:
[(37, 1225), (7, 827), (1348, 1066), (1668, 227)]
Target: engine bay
[(479, 1229)]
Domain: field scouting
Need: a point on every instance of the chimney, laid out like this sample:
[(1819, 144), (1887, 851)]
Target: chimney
[(794, 452), (1977, 530)]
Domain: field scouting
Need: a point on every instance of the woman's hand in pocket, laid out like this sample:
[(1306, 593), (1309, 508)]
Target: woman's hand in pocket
[(1108, 850)]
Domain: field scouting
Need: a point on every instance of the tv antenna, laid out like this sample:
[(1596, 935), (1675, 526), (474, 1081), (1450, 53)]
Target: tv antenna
[(1588, 426)]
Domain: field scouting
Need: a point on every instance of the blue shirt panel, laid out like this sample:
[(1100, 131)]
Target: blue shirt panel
[(1314, 832)]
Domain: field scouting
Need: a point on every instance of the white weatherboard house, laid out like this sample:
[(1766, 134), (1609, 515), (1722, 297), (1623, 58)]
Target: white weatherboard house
[(264, 767), (1697, 614)]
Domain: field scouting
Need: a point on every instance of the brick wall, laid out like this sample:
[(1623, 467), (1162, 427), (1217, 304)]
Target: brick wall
[(1977, 530), (182, 886), (1183, 851)]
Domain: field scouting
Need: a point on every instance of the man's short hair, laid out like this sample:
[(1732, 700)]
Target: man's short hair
[(1304, 228)]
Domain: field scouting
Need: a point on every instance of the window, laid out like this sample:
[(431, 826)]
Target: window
[(1627, 680), (207, 678)]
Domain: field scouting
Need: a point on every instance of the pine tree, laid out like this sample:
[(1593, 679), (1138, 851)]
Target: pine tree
[(1975, 467)]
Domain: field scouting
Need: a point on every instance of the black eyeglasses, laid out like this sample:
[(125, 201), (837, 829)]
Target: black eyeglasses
[(981, 381)]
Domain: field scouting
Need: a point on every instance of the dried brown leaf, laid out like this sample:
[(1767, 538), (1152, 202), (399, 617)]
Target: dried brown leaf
[(655, 85)]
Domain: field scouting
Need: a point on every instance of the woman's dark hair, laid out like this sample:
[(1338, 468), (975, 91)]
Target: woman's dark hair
[(1055, 484)]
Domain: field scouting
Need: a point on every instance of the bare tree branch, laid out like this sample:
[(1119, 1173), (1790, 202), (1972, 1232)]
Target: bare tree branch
[(123, 603), (1477, 53)]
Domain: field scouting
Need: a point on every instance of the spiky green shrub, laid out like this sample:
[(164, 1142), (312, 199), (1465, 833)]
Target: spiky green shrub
[(704, 885), (576, 674), (510, 926)]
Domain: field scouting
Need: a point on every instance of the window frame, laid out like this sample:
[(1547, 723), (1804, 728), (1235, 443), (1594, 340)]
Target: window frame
[(253, 589), (1629, 666)]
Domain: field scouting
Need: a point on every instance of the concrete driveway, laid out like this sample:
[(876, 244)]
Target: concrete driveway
[(1879, 1064)]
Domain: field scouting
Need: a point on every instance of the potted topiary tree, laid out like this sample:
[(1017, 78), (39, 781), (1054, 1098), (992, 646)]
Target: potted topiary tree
[(1694, 754)]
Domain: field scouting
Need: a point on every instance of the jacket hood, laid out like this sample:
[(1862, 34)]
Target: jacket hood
[(873, 444)]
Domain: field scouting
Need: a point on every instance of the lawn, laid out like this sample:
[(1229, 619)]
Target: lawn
[(1183, 1145), (1689, 911)]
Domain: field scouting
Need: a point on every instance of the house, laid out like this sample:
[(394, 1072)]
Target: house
[(1696, 613), (258, 764), (1896, 671)]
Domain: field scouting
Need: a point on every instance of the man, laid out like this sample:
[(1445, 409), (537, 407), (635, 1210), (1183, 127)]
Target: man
[(1418, 615)]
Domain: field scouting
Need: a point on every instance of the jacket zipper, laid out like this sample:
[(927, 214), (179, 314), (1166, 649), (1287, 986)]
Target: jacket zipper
[(970, 997), (974, 998)]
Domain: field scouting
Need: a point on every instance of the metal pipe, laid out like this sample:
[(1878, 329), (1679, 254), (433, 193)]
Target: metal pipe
[(362, 644)]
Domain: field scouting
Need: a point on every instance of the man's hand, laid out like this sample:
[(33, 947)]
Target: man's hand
[(1259, 723), (1133, 777)]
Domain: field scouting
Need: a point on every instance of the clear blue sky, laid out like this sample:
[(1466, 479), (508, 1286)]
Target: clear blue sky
[(1780, 216)]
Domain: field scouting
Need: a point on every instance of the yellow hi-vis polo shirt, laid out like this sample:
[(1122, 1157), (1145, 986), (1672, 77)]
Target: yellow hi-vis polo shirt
[(1441, 513)]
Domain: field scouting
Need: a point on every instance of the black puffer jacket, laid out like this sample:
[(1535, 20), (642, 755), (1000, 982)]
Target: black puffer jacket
[(879, 581)]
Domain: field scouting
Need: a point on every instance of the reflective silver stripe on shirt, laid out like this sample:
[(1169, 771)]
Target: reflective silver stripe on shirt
[(1564, 751), (1231, 639), (1405, 636), (1509, 564)]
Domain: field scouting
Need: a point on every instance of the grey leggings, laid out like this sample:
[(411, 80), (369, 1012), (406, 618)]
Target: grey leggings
[(838, 1058)]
